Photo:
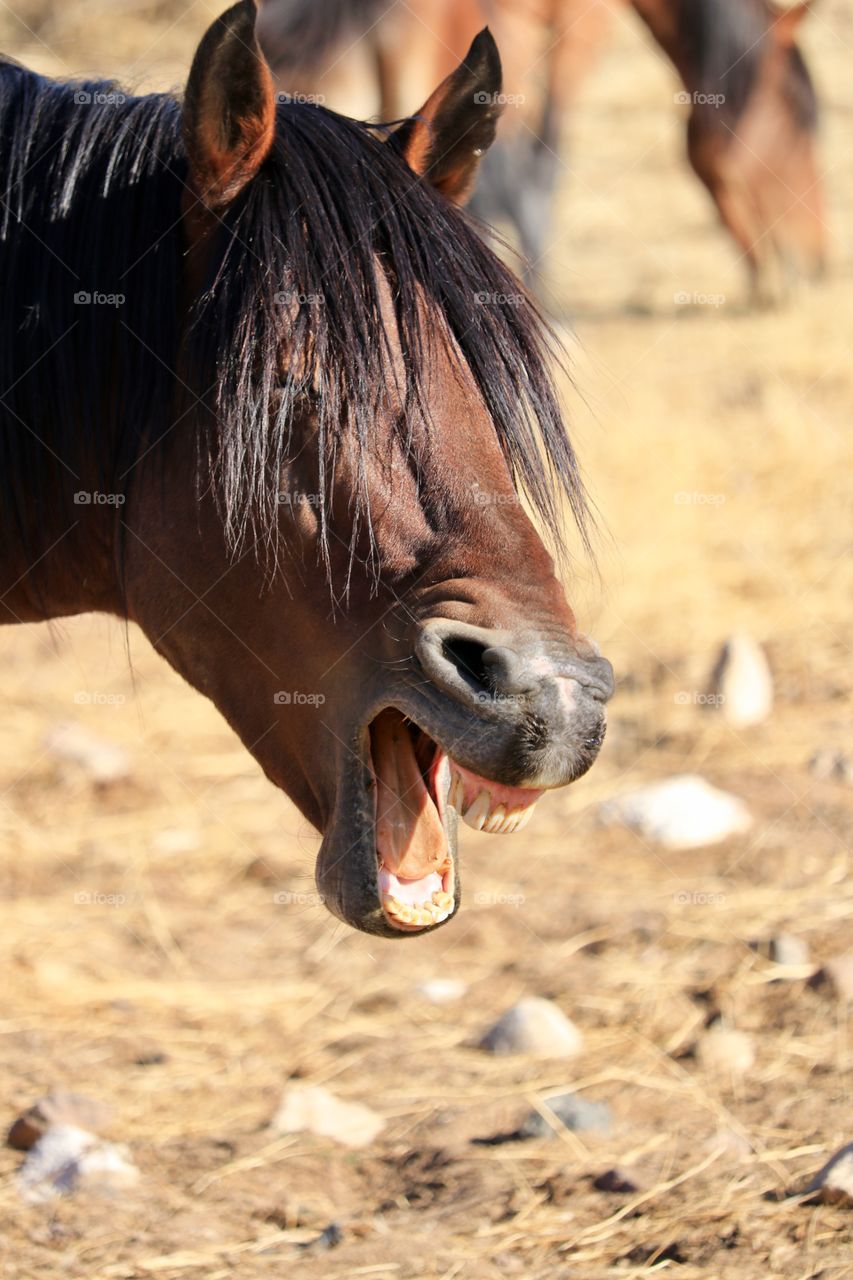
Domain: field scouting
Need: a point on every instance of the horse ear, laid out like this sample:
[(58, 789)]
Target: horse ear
[(443, 142), (787, 25), (229, 108)]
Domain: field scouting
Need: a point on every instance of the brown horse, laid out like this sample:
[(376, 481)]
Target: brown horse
[(751, 118), (266, 393)]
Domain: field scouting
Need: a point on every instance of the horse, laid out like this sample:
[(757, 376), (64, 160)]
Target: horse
[(267, 394), (751, 104)]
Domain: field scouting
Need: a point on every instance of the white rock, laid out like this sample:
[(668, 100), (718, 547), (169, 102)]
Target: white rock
[(67, 1159), (534, 1026), (311, 1108), (441, 990), (724, 1051), (789, 950), (104, 761), (741, 682), (834, 1182), (684, 812)]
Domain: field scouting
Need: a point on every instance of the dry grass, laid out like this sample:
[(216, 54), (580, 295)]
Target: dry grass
[(189, 1001)]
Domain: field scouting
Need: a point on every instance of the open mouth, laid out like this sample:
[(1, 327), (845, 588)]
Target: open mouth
[(419, 791)]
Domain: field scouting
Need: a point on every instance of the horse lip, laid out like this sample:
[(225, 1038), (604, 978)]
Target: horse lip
[(347, 870)]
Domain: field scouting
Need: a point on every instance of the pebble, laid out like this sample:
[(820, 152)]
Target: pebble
[(66, 1159), (788, 949), (741, 682), (441, 990), (570, 1111), (534, 1026), (683, 812), (833, 1184), (724, 1051), (105, 762), (59, 1108), (313, 1109)]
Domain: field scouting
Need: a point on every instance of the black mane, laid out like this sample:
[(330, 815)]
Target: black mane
[(90, 203), (725, 42)]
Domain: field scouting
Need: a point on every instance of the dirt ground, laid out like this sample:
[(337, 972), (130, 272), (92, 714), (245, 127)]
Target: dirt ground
[(151, 962)]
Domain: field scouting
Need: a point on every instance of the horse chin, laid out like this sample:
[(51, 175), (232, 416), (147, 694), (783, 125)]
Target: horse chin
[(388, 862)]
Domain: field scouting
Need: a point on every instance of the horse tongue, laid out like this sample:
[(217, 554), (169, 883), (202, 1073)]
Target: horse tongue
[(410, 838)]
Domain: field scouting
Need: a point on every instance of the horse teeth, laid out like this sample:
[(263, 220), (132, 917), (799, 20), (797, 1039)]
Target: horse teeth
[(457, 793), (496, 819), (475, 815), (442, 901), (523, 816)]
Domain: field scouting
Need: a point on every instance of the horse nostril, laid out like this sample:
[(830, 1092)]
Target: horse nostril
[(493, 669), (467, 656)]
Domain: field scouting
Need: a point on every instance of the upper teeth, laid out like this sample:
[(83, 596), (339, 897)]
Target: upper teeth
[(483, 815)]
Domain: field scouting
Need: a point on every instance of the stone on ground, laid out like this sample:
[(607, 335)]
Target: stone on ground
[(567, 1111), (66, 1160), (833, 1184), (534, 1026), (62, 1107), (724, 1051), (683, 812), (311, 1108), (741, 682)]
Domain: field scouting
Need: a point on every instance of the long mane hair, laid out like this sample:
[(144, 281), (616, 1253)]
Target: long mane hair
[(101, 358)]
